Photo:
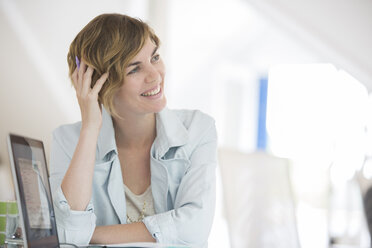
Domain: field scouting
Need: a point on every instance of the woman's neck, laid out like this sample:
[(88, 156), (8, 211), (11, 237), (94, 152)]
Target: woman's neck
[(134, 132)]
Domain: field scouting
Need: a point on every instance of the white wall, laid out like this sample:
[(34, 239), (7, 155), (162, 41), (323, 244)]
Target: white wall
[(338, 30)]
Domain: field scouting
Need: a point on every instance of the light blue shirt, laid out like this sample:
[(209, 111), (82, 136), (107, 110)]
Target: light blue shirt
[(183, 162)]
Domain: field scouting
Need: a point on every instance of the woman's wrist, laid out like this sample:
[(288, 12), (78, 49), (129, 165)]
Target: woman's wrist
[(91, 130), (121, 233)]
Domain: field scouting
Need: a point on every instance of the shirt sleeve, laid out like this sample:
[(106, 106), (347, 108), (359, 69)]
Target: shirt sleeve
[(75, 227), (190, 222)]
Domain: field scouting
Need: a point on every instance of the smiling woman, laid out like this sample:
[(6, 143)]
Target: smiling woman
[(148, 96), (132, 170)]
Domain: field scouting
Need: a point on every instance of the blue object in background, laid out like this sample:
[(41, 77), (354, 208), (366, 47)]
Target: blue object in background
[(261, 125)]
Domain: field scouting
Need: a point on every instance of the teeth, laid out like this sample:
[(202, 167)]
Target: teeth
[(151, 93)]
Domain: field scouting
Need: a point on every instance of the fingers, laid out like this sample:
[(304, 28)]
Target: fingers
[(82, 79), (98, 86), (86, 81), (74, 78), (82, 69), (77, 77)]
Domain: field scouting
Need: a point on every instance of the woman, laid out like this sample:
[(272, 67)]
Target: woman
[(131, 170)]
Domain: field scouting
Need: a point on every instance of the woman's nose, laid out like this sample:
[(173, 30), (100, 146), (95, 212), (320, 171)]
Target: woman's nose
[(152, 74)]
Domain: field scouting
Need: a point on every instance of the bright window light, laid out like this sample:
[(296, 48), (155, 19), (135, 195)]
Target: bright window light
[(318, 112), (317, 117)]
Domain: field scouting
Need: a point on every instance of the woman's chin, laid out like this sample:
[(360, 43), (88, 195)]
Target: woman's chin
[(160, 106)]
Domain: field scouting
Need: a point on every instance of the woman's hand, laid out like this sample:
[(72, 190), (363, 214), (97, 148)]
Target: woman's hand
[(81, 169), (91, 113)]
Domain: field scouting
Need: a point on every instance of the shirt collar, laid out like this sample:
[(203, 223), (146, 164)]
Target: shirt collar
[(170, 130)]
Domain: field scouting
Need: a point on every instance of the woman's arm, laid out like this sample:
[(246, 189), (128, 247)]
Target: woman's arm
[(77, 182), (190, 222), (122, 233), (75, 227)]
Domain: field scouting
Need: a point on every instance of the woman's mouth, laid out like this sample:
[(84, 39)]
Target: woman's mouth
[(152, 92)]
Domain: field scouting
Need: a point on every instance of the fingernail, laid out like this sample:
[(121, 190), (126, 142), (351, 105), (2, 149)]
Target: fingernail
[(77, 62)]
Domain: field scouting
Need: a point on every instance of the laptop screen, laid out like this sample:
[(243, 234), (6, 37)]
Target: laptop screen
[(33, 191)]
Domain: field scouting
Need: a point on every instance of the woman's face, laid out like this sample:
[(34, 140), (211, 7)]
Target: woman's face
[(143, 89)]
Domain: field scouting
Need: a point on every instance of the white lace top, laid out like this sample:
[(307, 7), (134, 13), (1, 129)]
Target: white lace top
[(139, 206)]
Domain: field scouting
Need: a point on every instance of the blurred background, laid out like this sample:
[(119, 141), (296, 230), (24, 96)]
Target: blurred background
[(288, 83)]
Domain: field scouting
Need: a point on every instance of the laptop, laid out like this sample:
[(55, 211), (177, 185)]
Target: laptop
[(34, 198)]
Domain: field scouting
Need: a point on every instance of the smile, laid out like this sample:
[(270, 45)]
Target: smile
[(152, 92)]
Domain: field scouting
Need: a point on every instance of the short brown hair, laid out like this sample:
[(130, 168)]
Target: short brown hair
[(108, 43)]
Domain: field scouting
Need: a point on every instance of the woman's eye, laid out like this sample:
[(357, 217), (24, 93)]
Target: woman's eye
[(134, 70), (155, 58)]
